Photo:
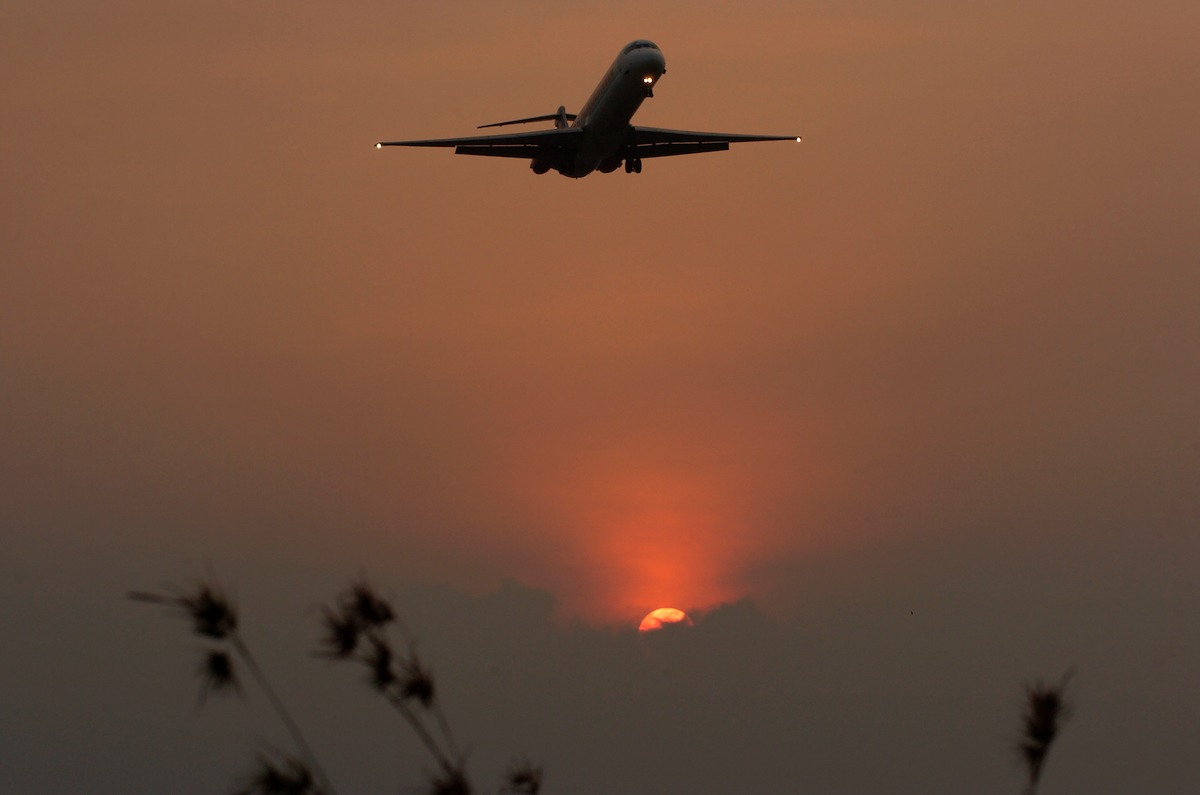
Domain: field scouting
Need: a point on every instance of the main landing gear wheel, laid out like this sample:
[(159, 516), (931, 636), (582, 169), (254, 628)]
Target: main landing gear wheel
[(633, 165)]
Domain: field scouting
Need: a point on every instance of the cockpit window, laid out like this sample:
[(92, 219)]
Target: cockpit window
[(638, 45)]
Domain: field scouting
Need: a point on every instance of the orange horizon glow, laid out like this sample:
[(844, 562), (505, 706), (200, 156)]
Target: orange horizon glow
[(637, 515), (686, 534)]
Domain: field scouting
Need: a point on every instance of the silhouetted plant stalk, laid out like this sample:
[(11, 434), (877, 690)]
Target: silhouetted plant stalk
[(355, 630), (1046, 710), (214, 618)]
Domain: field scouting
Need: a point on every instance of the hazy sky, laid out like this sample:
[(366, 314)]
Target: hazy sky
[(906, 415)]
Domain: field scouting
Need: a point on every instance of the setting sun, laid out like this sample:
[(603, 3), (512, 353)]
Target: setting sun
[(657, 619)]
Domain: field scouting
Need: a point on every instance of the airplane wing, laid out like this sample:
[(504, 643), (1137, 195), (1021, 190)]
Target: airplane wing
[(526, 144), (659, 142)]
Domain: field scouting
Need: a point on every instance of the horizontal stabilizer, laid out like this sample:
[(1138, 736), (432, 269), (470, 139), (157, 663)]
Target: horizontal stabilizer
[(560, 116), (535, 143)]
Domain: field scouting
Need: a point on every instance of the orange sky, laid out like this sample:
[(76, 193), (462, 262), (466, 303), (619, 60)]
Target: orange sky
[(941, 354), (630, 390)]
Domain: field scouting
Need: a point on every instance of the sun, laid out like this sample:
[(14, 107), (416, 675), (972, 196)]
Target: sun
[(657, 619)]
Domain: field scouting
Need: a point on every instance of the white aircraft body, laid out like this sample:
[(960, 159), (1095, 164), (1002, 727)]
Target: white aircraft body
[(600, 137)]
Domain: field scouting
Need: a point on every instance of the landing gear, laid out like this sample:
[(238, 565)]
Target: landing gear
[(633, 165)]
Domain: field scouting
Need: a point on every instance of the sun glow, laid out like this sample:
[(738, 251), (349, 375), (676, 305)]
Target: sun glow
[(664, 537), (658, 518)]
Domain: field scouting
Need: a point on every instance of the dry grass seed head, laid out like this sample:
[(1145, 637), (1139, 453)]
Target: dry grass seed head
[(450, 782), (371, 609), (524, 778), (342, 632), (211, 613), (288, 777), (217, 675), (213, 616), (1046, 710), (418, 683)]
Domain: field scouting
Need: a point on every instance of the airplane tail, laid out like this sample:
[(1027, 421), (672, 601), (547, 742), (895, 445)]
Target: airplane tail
[(561, 119)]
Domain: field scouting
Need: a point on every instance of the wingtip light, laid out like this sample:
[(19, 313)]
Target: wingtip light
[(380, 146)]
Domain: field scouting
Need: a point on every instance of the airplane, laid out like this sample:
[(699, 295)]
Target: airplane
[(600, 137)]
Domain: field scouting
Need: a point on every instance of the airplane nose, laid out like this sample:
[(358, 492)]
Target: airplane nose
[(651, 68), (651, 64)]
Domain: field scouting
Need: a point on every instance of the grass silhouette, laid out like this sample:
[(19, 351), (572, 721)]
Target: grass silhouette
[(1046, 709), (357, 631)]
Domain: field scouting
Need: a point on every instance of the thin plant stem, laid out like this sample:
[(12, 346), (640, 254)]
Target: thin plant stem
[(282, 711), (444, 724), (421, 731)]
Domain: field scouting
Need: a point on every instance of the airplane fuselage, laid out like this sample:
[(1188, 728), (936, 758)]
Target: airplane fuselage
[(606, 115)]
